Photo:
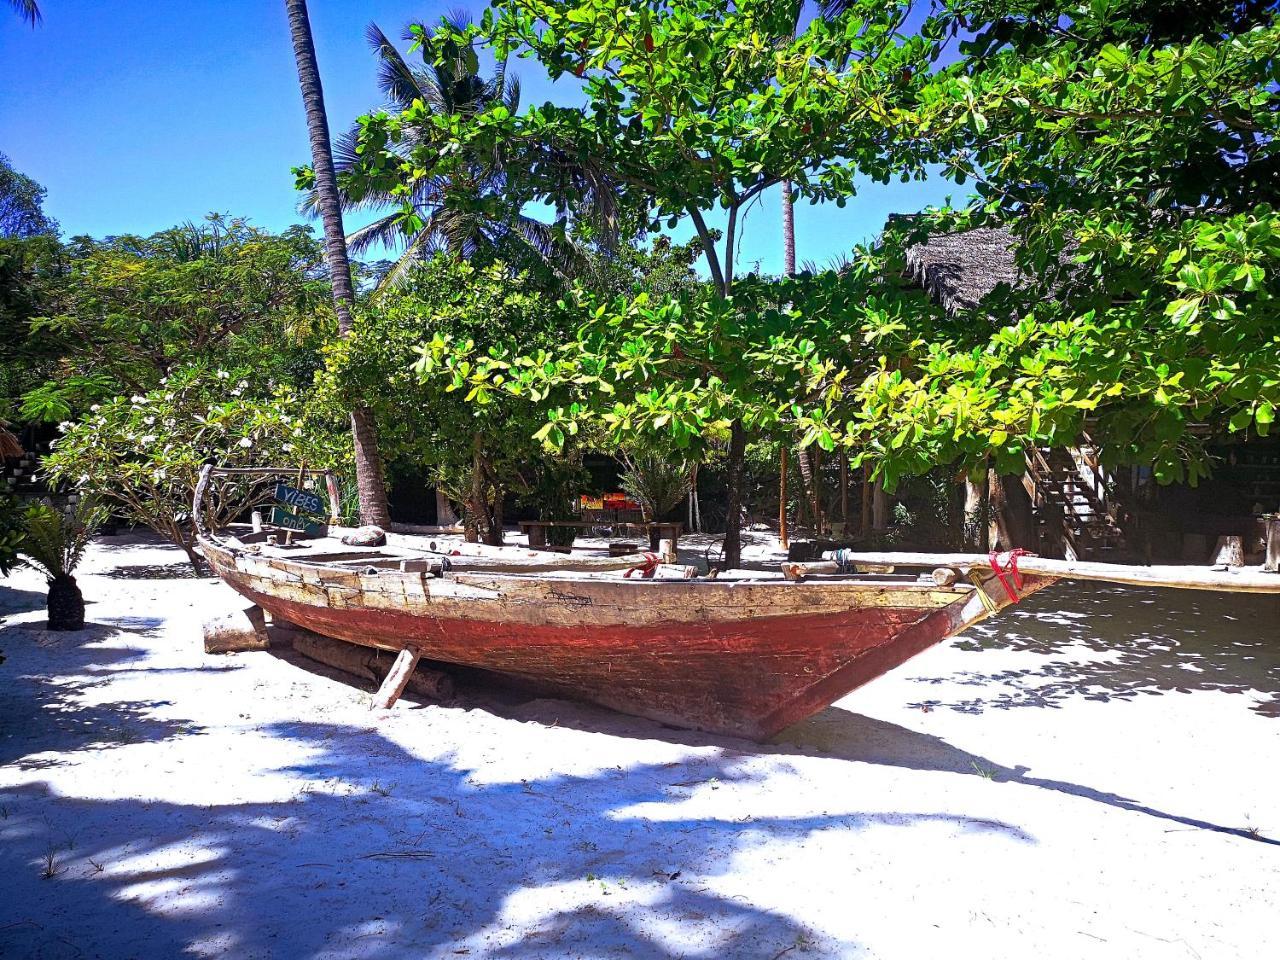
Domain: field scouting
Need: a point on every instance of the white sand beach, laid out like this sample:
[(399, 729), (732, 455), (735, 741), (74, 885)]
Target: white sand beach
[(1096, 773)]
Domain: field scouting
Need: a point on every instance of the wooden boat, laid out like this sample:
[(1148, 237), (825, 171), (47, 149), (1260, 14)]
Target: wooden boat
[(745, 654)]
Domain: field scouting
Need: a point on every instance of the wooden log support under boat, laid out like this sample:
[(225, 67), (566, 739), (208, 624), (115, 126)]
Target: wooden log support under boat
[(366, 663), (745, 653), (235, 631), (397, 679)]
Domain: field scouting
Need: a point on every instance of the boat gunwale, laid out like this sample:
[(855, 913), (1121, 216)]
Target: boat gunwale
[(907, 583)]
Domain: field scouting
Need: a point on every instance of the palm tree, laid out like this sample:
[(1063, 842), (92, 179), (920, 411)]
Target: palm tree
[(28, 10), (369, 479), (479, 226)]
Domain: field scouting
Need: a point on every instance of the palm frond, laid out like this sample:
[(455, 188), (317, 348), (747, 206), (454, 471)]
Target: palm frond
[(421, 248), (396, 79), (386, 231), (54, 542), (28, 10), (656, 483)]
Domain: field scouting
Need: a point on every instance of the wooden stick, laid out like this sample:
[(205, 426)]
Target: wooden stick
[(783, 535), (1236, 580), (396, 680), (366, 663)]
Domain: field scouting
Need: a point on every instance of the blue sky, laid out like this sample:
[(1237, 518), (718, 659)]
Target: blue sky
[(139, 115)]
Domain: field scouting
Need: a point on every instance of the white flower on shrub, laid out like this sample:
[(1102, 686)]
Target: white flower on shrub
[(246, 442)]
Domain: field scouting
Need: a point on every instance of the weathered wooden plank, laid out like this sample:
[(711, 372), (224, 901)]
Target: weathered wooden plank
[(1239, 580)]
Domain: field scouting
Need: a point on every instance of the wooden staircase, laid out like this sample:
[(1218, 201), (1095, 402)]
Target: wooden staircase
[(1074, 515)]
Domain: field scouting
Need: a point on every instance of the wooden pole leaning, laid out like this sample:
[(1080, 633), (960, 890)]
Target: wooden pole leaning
[(397, 679)]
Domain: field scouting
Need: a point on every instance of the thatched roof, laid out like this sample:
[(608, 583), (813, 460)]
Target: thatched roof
[(10, 448), (960, 269)]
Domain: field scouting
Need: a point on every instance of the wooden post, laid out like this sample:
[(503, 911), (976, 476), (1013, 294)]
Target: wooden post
[(844, 488), (817, 492), (396, 680), (865, 519), (783, 533), (1272, 563), (879, 508)]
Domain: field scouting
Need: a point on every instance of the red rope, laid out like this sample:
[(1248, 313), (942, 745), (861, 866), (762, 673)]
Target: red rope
[(1010, 566), (646, 569)]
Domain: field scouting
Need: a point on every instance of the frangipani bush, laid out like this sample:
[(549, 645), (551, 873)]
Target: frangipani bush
[(142, 455)]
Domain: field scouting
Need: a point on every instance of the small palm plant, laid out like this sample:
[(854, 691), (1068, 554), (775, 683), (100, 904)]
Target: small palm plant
[(54, 544), (656, 483)]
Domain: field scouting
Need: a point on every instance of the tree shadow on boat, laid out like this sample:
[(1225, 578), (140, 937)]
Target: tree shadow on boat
[(1102, 643), (387, 853)]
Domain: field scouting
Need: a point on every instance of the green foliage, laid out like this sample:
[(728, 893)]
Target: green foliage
[(461, 211), (1140, 184), (690, 107), (142, 455), (130, 310), (401, 362), (21, 205), (657, 483), (54, 542), (31, 269), (11, 534)]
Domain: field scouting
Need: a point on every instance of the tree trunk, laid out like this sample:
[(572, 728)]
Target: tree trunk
[(1012, 521), (369, 479), (783, 534), (445, 517), (879, 508), (788, 230), (733, 477), (65, 604)]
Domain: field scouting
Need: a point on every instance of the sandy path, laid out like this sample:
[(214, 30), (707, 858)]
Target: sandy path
[(1079, 778)]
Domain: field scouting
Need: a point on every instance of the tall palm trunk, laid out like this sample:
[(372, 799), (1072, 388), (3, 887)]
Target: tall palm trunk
[(369, 480), (803, 457)]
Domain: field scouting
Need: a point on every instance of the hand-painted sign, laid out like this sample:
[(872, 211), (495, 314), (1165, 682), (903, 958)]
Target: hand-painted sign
[(303, 500), (289, 520)]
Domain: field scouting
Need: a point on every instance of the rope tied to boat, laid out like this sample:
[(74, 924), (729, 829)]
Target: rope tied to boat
[(1009, 566), (646, 568)]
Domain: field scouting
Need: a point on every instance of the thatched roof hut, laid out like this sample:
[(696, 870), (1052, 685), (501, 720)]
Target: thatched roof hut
[(960, 269), (10, 448)]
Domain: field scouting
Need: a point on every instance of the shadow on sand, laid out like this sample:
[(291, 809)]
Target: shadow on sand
[(377, 862), (381, 863), (1103, 643)]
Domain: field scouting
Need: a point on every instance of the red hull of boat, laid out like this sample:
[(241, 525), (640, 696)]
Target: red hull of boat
[(747, 659)]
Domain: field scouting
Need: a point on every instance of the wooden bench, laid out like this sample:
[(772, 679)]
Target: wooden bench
[(536, 530)]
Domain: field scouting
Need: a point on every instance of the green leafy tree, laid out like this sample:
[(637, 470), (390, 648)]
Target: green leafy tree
[(691, 108), (123, 313), (22, 205), (477, 444), (142, 455), (461, 212), (1138, 178)]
